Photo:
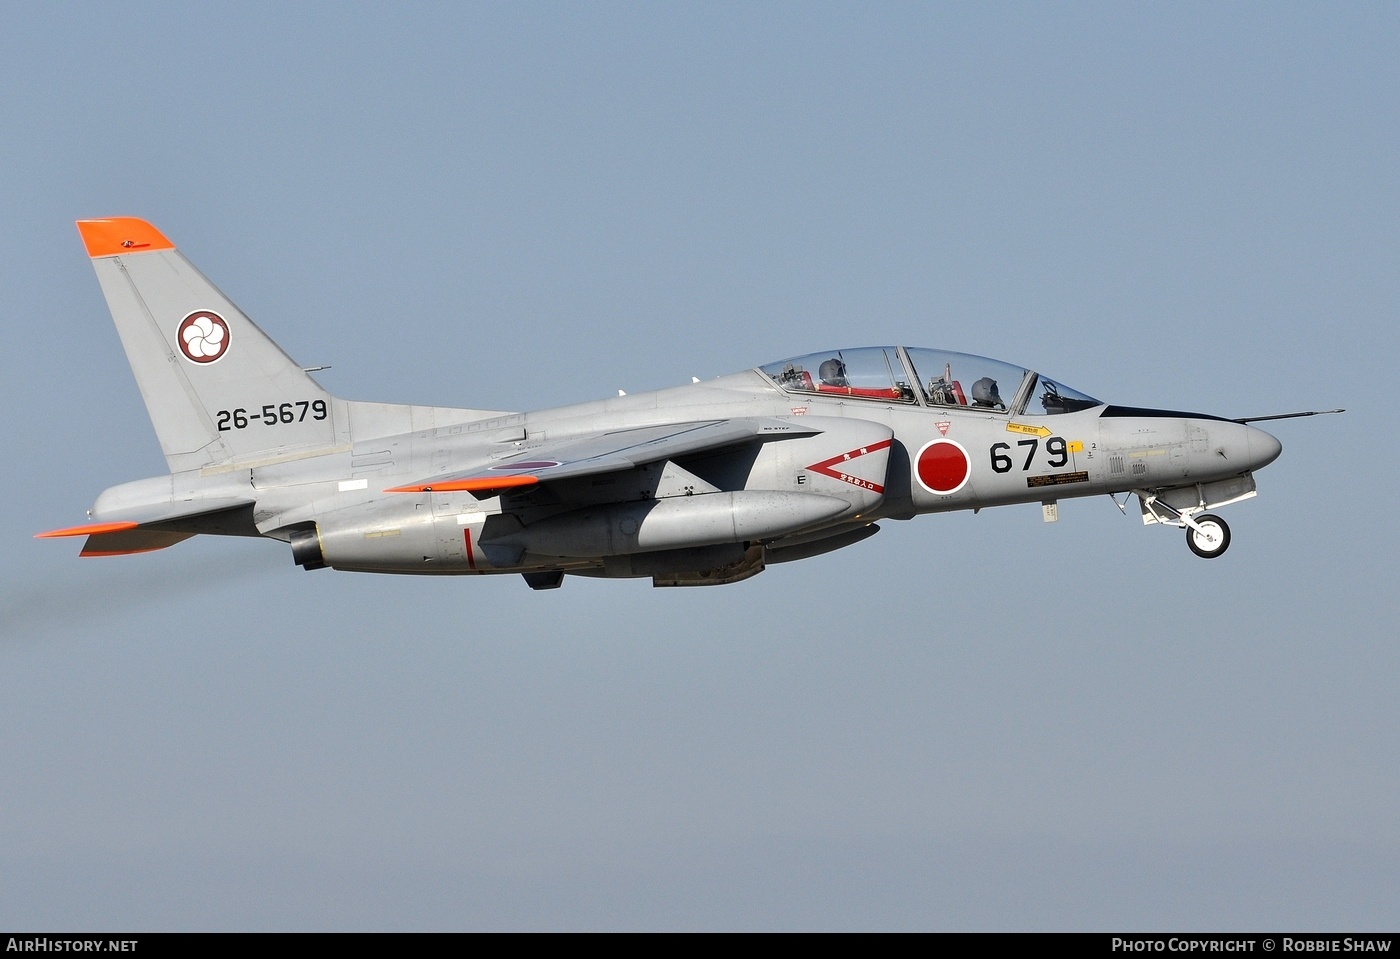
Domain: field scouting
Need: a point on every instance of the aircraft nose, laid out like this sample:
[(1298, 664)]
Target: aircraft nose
[(1263, 448)]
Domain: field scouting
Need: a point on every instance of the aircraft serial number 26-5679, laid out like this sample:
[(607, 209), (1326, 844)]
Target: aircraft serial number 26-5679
[(697, 485)]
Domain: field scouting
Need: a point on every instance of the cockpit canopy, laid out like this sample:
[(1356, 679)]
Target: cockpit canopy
[(937, 378)]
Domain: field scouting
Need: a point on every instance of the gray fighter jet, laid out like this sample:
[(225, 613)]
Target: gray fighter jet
[(698, 485)]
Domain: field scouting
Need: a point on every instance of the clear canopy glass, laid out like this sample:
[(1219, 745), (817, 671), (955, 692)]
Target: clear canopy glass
[(868, 373), (935, 378)]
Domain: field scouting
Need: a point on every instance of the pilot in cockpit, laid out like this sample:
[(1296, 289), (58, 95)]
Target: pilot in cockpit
[(833, 372), (986, 395)]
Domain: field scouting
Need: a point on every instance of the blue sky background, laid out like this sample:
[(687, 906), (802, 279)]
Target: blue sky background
[(968, 722)]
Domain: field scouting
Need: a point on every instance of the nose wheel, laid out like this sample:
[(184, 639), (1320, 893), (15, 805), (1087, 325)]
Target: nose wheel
[(1207, 535)]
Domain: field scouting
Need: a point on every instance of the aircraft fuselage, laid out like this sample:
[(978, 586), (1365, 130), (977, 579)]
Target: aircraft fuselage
[(695, 485)]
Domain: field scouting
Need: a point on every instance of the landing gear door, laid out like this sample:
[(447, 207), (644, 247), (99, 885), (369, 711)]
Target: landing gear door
[(1167, 505)]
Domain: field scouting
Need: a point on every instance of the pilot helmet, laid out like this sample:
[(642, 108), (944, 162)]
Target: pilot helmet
[(833, 372), (985, 393)]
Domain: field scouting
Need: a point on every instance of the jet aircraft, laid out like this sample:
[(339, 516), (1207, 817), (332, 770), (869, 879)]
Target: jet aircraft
[(701, 484)]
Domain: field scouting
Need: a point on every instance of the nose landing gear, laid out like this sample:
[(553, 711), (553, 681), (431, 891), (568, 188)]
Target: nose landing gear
[(1207, 535)]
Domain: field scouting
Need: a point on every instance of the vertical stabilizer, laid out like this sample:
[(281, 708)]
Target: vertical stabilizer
[(218, 391)]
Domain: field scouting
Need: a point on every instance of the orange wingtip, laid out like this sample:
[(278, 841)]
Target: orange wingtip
[(121, 234), (478, 485), (91, 529)]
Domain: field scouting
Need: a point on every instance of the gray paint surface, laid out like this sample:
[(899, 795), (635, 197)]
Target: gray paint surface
[(615, 490)]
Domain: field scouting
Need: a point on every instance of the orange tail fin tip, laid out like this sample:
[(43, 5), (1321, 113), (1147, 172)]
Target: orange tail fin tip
[(121, 234)]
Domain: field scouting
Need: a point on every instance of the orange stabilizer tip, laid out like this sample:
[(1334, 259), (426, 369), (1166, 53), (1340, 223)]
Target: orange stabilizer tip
[(91, 529), (477, 485), (89, 553), (121, 234)]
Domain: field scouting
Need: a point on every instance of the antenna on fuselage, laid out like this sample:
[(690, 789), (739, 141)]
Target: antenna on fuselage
[(1283, 416)]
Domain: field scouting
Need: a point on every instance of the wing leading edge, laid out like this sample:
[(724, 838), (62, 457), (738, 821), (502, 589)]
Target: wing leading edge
[(607, 452)]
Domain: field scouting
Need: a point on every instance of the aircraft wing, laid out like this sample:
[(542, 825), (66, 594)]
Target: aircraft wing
[(145, 529), (607, 452)]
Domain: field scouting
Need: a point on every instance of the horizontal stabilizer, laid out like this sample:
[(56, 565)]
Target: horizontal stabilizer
[(131, 541), (117, 539), (152, 527), (87, 529)]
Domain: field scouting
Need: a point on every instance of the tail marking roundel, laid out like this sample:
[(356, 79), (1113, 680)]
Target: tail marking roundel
[(203, 337)]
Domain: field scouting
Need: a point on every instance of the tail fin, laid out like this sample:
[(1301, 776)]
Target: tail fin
[(218, 391)]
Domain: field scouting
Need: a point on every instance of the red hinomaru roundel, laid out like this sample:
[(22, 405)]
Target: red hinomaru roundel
[(203, 337), (942, 466)]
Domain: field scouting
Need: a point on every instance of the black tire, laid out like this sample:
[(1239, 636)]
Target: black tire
[(1203, 547)]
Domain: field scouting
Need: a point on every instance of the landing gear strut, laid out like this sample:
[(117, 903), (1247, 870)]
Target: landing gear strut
[(1207, 535)]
